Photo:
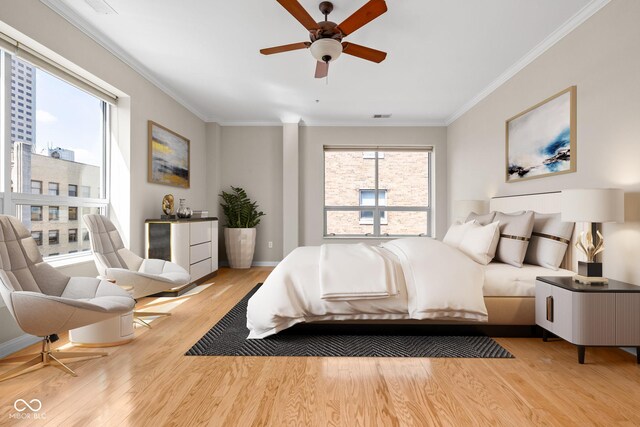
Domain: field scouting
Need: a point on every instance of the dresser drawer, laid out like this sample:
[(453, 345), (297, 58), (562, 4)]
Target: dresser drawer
[(200, 269), (199, 252), (200, 232)]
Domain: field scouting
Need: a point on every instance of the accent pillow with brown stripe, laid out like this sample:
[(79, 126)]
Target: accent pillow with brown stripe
[(515, 233), (549, 241)]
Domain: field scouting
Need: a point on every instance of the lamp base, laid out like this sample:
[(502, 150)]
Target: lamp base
[(590, 269), (586, 280)]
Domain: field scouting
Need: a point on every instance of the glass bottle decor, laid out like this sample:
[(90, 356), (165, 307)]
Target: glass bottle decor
[(183, 210)]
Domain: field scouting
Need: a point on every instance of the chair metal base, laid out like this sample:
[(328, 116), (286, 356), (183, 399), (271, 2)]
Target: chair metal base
[(46, 357), (138, 315)]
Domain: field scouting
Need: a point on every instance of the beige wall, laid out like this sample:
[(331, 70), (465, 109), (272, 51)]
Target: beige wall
[(312, 140), (133, 198), (601, 57), (251, 158), (145, 102)]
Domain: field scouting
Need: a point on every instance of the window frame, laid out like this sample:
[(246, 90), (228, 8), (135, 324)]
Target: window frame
[(383, 215), (429, 209), (11, 201)]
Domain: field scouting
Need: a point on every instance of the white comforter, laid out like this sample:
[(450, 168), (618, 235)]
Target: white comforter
[(434, 281)]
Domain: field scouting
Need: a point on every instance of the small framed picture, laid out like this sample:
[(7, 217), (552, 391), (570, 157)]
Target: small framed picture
[(541, 141), (169, 159)]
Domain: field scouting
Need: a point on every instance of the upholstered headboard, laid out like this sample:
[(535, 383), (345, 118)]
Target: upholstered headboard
[(543, 203)]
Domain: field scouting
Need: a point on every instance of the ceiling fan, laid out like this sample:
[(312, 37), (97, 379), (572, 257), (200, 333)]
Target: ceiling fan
[(326, 37)]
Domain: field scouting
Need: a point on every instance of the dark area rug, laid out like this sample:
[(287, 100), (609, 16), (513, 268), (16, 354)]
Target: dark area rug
[(229, 338)]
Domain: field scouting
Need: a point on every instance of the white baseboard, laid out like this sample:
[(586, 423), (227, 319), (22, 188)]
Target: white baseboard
[(17, 344), (253, 264)]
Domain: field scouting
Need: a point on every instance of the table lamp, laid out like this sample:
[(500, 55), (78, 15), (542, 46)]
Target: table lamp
[(593, 206)]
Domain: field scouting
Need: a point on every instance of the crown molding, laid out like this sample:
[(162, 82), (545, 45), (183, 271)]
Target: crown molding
[(59, 7), (576, 20), (377, 123)]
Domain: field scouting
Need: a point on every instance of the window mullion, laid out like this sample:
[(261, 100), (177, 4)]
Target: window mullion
[(376, 196), (5, 122)]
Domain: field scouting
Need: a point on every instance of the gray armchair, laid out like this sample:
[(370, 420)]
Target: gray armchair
[(45, 302), (117, 263)]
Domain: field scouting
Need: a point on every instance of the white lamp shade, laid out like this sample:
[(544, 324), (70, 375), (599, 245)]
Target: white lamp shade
[(593, 205), (322, 48), (462, 208)]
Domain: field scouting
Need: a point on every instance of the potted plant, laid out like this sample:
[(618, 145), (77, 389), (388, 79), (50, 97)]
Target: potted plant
[(240, 235)]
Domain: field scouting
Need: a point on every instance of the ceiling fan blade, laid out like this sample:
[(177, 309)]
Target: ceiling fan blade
[(299, 12), (322, 69), (285, 48), (363, 52), (363, 16)]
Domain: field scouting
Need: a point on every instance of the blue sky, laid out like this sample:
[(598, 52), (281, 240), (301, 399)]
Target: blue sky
[(67, 117)]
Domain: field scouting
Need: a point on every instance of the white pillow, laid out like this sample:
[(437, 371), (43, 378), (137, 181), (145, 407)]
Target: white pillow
[(549, 240), (480, 241), (483, 219), (515, 233), (456, 232)]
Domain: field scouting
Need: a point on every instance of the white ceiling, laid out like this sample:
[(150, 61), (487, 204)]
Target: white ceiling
[(442, 54)]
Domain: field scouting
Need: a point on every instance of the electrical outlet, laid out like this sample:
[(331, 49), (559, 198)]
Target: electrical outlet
[(270, 245)]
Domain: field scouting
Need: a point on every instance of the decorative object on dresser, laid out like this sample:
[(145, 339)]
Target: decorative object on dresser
[(168, 207), (589, 316), (240, 233), (190, 243), (592, 206), (184, 211), (169, 160), (45, 302), (541, 141)]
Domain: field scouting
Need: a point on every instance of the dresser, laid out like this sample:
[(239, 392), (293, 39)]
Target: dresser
[(191, 243), (589, 315)]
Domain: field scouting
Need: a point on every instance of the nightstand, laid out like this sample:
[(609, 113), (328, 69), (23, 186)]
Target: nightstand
[(589, 315)]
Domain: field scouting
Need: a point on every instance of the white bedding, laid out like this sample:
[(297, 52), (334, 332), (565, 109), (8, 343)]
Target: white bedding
[(356, 271), (504, 280), (435, 281)]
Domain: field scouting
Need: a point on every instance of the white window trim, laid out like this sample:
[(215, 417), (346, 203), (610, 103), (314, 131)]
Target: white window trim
[(9, 199)]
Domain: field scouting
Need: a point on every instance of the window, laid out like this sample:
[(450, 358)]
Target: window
[(372, 154), (54, 213), (37, 236), (368, 198), (73, 213), (377, 192), (54, 189), (36, 213), (36, 187), (68, 156)]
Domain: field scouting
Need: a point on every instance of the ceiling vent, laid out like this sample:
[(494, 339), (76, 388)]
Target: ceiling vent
[(381, 116), (101, 7)]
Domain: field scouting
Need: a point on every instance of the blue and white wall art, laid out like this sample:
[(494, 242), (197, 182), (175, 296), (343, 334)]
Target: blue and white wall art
[(541, 141)]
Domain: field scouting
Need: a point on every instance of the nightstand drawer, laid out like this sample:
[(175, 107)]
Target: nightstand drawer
[(554, 310)]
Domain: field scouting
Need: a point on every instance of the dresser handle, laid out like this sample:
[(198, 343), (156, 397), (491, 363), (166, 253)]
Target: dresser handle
[(550, 308)]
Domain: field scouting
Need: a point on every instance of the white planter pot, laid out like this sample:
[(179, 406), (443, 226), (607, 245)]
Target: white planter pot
[(240, 244)]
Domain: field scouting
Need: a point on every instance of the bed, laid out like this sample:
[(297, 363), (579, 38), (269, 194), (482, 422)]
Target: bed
[(496, 294)]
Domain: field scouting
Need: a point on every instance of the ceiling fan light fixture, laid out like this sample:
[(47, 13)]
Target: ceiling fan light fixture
[(326, 50)]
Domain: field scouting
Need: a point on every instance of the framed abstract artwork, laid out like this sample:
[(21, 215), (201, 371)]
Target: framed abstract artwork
[(541, 141), (168, 157)]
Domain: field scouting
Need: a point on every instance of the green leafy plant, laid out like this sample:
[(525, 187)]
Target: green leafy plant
[(240, 211)]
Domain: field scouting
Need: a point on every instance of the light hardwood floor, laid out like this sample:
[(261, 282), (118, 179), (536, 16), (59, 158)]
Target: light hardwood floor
[(150, 382)]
